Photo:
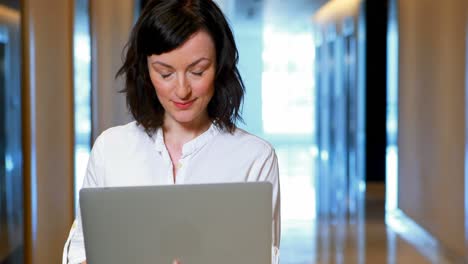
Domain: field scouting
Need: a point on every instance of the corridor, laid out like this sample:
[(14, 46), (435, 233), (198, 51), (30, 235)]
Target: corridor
[(364, 239)]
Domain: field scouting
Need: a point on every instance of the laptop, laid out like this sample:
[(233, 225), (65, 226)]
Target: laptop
[(227, 223)]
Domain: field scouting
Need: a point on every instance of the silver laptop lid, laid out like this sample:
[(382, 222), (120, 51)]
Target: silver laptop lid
[(198, 224)]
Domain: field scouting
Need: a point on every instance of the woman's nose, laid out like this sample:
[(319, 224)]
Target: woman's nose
[(183, 89)]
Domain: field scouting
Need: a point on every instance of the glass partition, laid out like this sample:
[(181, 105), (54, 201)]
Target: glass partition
[(392, 110), (82, 91), (11, 174)]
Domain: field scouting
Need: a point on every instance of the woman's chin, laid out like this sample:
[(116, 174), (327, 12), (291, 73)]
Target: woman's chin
[(190, 120)]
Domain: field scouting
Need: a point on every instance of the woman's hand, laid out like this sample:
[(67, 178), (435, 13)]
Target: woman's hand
[(176, 261)]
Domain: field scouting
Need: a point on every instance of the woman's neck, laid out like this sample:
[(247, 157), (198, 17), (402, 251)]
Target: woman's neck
[(177, 134)]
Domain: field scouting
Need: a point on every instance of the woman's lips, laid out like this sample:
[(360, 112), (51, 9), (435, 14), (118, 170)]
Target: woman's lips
[(184, 105)]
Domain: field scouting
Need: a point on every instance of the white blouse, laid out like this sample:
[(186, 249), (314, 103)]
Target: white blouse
[(127, 156)]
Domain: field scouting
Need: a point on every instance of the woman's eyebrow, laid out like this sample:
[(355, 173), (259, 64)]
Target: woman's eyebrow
[(197, 61), (191, 64), (162, 64)]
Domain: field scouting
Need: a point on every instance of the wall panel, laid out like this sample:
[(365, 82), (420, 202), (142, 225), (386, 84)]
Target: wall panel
[(432, 117), (48, 127)]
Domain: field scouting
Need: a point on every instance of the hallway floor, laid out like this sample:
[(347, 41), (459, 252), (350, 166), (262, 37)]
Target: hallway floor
[(361, 240)]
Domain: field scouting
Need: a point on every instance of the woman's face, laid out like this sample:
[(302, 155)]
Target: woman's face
[(184, 80)]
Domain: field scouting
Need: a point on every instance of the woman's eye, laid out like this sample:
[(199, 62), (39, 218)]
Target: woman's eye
[(164, 76), (198, 73)]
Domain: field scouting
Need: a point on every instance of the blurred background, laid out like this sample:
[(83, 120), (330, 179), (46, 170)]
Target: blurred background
[(364, 102)]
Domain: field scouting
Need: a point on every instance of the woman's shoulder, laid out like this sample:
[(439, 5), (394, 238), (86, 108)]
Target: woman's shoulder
[(123, 135), (251, 138), (248, 141), (126, 129)]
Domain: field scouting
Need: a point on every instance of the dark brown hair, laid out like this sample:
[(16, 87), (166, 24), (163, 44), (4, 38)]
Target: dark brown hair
[(163, 26)]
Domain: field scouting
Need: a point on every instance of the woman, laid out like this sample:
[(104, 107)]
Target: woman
[(184, 92)]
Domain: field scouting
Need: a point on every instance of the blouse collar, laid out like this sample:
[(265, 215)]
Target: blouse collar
[(193, 145)]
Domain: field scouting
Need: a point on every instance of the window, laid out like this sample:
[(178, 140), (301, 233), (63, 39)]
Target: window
[(82, 91)]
